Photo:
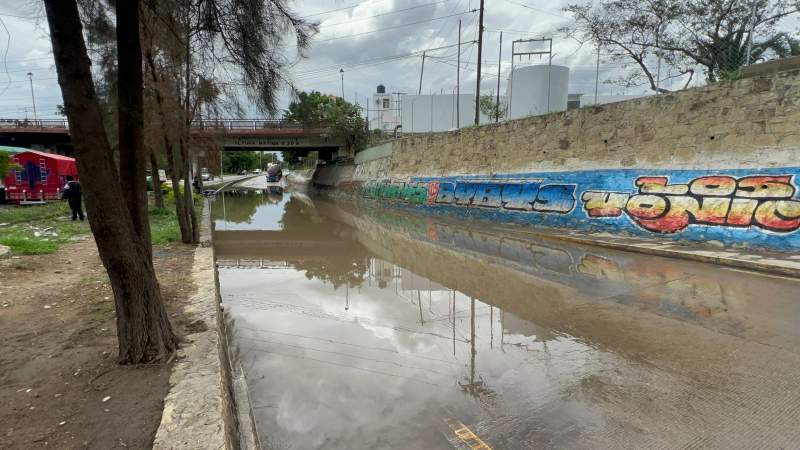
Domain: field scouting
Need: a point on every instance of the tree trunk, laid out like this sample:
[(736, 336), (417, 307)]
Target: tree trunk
[(176, 169), (173, 158), (130, 98), (143, 329), (156, 180), (188, 199)]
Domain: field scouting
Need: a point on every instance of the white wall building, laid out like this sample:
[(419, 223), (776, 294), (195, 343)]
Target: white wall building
[(425, 113), (530, 94), (384, 110)]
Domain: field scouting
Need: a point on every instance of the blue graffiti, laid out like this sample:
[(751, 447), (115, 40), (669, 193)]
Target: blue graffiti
[(515, 195)]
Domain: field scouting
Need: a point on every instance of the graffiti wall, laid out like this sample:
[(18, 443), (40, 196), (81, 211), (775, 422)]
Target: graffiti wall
[(746, 207)]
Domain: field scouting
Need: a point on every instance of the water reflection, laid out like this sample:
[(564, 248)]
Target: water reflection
[(365, 328), (245, 213)]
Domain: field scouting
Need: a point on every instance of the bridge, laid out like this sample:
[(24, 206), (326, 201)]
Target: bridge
[(230, 134)]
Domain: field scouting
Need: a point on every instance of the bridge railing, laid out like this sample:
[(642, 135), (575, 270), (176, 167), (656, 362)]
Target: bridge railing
[(30, 123), (247, 124)]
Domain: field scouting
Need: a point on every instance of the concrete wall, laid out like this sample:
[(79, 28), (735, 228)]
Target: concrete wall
[(714, 163)]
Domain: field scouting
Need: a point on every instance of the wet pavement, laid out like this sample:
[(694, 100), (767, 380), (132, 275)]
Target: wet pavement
[(364, 327)]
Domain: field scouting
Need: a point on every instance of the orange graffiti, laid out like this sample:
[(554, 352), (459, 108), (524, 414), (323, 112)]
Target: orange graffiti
[(762, 201)]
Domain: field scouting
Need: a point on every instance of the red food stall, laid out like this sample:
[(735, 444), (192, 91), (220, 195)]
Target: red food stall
[(37, 175)]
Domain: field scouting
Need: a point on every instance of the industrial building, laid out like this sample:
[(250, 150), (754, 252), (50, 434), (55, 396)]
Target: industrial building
[(530, 90)]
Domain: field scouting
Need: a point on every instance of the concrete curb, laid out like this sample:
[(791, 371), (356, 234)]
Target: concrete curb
[(198, 410), (721, 257)]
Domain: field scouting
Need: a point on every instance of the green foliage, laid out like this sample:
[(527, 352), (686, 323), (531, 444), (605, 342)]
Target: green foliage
[(170, 195), (318, 110), (730, 75), (492, 109), (235, 162), (5, 164)]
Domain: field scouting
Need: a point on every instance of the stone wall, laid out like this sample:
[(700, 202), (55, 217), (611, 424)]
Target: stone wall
[(718, 163)]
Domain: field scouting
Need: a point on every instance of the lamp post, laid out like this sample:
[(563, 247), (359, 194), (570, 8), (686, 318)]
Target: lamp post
[(341, 72), (33, 99)]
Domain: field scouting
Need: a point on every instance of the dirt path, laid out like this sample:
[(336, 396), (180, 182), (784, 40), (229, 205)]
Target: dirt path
[(59, 384)]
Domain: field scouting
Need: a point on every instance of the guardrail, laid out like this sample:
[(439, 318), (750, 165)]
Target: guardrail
[(249, 124), (29, 123)]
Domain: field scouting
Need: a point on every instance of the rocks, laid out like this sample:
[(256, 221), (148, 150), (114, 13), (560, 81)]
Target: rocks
[(4, 251)]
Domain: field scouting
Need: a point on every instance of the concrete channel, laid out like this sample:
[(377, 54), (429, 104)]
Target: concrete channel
[(355, 326)]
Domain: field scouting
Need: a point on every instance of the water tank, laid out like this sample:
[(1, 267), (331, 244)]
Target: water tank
[(381, 89), (529, 93)]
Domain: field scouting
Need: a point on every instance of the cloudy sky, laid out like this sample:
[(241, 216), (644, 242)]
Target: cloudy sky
[(374, 41)]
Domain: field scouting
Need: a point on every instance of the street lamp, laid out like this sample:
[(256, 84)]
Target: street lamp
[(33, 99), (341, 72)]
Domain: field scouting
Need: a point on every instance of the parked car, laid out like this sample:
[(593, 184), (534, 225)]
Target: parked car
[(257, 171), (205, 176), (244, 172)]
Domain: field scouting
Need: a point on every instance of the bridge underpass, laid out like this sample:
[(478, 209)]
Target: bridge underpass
[(230, 134)]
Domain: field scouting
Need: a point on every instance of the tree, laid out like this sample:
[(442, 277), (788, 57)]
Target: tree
[(5, 164), (235, 162), (244, 37), (120, 228), (492, 109), (681, 34), (329, 111)]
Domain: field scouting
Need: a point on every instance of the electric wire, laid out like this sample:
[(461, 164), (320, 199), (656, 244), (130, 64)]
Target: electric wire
[(5, 56), (361, 19), (394, 27)]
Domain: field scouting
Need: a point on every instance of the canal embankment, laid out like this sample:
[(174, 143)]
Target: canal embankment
[(709, 168), (527, 342)]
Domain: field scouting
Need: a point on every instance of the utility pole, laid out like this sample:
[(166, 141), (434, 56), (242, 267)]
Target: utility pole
[(478, 83), (421, 70), (499, 65), (341, 72), (597, 75), (458, 78), (750, 35), (33, 99)]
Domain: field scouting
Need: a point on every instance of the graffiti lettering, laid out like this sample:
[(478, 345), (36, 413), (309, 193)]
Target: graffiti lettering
[(765, 202), (516, 195)]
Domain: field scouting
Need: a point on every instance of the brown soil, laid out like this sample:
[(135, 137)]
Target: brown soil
[(60, 386)]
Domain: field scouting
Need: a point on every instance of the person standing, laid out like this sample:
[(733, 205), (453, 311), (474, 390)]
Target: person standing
[(72, 193)]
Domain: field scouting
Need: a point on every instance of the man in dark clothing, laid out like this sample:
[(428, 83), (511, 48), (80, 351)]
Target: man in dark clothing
[(72, 193)]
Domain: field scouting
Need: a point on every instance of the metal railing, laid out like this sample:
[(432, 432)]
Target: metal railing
[(249, 124), (30, 123)]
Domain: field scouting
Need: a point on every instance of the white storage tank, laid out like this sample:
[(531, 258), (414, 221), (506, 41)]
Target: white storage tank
[(529, 93)]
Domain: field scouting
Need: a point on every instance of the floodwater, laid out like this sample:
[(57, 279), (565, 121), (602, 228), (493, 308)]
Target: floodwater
[(361, 327)]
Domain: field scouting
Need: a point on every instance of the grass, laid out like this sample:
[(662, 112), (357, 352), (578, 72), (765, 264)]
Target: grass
[(37, 230), (164, 225), (54, 228), (12, 215)]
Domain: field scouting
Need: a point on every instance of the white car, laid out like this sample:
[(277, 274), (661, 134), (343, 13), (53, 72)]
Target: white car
[(206, 176)]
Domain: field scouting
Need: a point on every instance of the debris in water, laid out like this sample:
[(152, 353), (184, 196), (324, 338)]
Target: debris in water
[(105, 399)]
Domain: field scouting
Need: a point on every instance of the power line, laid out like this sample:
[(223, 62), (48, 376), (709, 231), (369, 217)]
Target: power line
[(361, 19), (396, 27), (21, 17), (373, 61), (5, 56), (340, 9), (560, 16)]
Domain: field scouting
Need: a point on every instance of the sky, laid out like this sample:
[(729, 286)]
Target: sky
[(373, 41)]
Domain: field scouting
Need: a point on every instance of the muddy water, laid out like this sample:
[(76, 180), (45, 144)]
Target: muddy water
[(363, 327)]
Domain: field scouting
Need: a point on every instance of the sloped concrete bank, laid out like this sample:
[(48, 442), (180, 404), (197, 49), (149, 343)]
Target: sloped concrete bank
[(717, 164), (200, 410)]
